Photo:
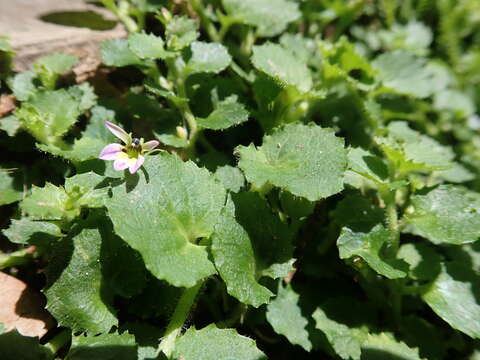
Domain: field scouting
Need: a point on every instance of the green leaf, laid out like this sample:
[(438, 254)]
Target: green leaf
[(10, 125), (447, 214), (84, 94), (414, 37), (105, 347), (26, 230), (117, 53), (17, 347), (296, 207), (412, 151), (48, 203), (345, 341), (271, 17), (82, 149), (76, 294), (384, 346), (234, 258), (456, 174), (368, 165), (82, 190), (455, 101), (163, 211), (172, 140), (302, 47), (346, 63), (282, 66), (306, 160), (22, 85), (55, 203), (123, 270), (358, 213), (51, 66), (273, 259), (423, 261), (11, 190), (418, 332), (227, 113), (56, 63), (231, 178), (96, 126), (148, 338), (207, 58), (5, 45), (454, 296), (285, 316), (95, 137), (370, 246), (49, 114), (180, 32), (211, 343), (469, 254), (398, 70), (147, 46)]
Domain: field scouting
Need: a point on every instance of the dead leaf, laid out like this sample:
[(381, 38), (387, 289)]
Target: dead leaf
[(7, 104), (22, 308)]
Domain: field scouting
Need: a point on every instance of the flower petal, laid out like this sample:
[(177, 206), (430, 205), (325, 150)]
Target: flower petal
[(135, 166), (110, 152), (120, 164), (150, 145), (118, 132)]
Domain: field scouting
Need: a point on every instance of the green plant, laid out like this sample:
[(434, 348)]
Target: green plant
[(314, 194)]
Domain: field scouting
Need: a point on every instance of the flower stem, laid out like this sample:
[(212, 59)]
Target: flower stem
[(189, 118), (179, 317)]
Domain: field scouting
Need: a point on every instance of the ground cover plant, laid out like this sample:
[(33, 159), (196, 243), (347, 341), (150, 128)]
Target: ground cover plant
[(248, 180)]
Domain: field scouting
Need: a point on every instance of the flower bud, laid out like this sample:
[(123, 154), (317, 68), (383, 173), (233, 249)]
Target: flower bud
[(182, 132)]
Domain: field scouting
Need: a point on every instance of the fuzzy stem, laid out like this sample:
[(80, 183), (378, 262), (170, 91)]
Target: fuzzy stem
[(189, 118), (179, 317), (392, 221)]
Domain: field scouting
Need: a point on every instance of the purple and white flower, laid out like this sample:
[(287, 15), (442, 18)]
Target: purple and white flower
[(129, 155)]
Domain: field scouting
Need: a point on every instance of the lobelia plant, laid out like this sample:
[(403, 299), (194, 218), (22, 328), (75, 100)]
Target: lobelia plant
[(316, 195)]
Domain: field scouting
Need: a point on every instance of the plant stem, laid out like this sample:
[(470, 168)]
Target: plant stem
[(189, 118), (212, 32), (226, 23), (178, 76), (178, 319), (392, 221), (59, 340), (389, 197), (121, 13)]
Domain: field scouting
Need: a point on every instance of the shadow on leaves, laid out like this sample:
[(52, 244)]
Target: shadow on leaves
[(113, 352), (375, 354)]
